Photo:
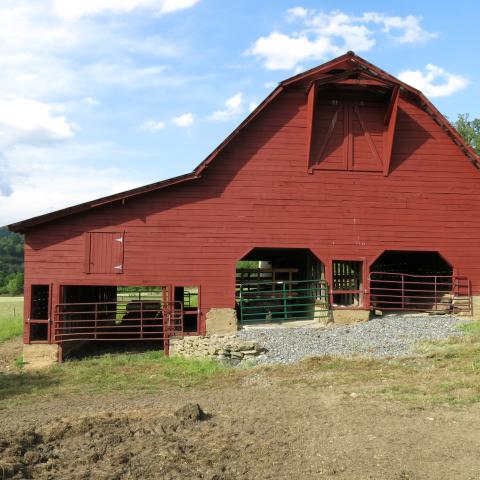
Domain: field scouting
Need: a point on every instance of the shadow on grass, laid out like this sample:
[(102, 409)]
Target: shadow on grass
[(25, 383)]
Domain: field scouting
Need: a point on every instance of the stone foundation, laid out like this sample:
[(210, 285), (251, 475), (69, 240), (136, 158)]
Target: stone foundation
[(39, 355), (346, 317), (221, 321), (220, 348)]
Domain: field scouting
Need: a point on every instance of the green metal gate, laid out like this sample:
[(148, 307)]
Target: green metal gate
[(266, 302)]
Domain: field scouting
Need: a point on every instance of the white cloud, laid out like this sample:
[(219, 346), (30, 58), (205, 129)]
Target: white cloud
[(409, 27), (183, 121), (75, 9), (44, 179), (252, 106), (296, 12), (93, 102), (434, 81), (26, 121), (270, 85), (280, 51), (323, 35), (153, 125), (233, 108)]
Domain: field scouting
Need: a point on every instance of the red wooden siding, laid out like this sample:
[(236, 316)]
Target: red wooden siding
[(258, 193)]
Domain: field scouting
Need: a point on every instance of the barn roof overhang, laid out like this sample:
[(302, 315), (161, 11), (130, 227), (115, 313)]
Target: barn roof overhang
[(348, 69)]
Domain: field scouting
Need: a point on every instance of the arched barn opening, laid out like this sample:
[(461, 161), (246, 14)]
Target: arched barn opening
[(279, 285), (412, 281)]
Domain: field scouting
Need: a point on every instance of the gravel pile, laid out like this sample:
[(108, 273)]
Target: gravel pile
[(388, 336)]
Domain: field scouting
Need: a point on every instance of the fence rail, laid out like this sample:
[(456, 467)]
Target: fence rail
[(282, 301), (422, 293), (120, 320)]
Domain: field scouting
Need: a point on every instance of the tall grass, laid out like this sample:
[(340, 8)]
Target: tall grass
[(11, 317)]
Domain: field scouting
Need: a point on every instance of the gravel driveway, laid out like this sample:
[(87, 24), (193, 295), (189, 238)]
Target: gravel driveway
[(388, 336)]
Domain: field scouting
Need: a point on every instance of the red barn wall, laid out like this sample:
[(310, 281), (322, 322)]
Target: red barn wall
[(257, 192)]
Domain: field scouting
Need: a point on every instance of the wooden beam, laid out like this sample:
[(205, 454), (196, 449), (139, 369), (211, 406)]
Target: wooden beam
[(391, 104), (370, 142), (333, 122), (311, 99), (390, 122)]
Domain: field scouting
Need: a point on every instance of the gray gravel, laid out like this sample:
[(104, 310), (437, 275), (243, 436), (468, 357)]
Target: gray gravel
[(388, 336)]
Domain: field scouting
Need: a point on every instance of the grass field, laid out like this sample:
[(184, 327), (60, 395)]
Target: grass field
[(446, 373), (11, 315)]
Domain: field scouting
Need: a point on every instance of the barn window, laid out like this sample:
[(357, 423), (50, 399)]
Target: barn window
[(104, 252), (347, 283), (39, 313)]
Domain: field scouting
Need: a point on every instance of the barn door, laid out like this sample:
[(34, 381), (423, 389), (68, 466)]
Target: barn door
[(104, 252)]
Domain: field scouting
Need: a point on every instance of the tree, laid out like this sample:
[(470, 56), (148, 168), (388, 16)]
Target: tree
[(469, 130), (15, 284), (11, 262)]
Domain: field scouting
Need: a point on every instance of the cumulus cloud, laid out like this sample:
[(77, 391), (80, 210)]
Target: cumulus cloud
[(233, 108), (153, 125), (42, 179), (434, 81), (252, 106), (27, 121), (184, 120), (323, 35), (73, 9), (408, 28)]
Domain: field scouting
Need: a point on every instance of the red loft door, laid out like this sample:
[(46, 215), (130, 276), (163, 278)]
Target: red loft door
[(104, 252)]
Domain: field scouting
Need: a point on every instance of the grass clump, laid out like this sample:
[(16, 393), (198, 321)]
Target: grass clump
[(147, 372), (470, 328), (11, 317)]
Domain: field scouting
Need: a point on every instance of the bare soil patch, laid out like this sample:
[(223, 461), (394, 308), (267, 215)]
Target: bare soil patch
[(10, 350), (262, 425)]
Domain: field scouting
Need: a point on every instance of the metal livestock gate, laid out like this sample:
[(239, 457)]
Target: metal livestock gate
[(118, 321), (282, 301), (421, 293)]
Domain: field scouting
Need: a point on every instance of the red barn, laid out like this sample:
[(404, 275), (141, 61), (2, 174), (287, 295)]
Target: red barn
[(343, 193)]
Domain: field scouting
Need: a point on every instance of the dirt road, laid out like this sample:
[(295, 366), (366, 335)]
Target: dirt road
[(261, 426)]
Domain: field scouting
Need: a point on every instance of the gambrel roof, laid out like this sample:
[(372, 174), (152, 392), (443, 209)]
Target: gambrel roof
[(346, 69)]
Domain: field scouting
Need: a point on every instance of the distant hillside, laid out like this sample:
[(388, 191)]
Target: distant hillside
[(11, 262)]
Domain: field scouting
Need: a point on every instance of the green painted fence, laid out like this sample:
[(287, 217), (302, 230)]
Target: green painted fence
[(270, 302)]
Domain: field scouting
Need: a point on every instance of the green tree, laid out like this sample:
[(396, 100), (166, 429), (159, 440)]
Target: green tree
[(11, 262), (15, 285), (469, 130)]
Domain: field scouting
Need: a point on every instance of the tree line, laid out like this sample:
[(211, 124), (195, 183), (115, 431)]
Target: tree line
[(11, 244), (11, 263)]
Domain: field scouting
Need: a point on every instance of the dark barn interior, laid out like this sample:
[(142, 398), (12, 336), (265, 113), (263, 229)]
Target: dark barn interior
[(411, 280)]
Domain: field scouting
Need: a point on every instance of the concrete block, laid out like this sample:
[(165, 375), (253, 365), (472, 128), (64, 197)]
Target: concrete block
[(221, 321)]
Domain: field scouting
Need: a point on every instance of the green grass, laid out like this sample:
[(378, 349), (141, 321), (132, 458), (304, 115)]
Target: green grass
[(445, 373), (148, 372), (471, 328), (11, 315)]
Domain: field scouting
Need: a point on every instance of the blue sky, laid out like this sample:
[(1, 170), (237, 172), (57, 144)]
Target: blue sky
[(100, 96)]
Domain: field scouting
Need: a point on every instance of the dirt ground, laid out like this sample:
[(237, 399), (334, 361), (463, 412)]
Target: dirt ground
[(9, 352), (261, 426)]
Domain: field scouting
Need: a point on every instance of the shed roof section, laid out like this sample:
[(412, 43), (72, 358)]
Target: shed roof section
[(348, 69)]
